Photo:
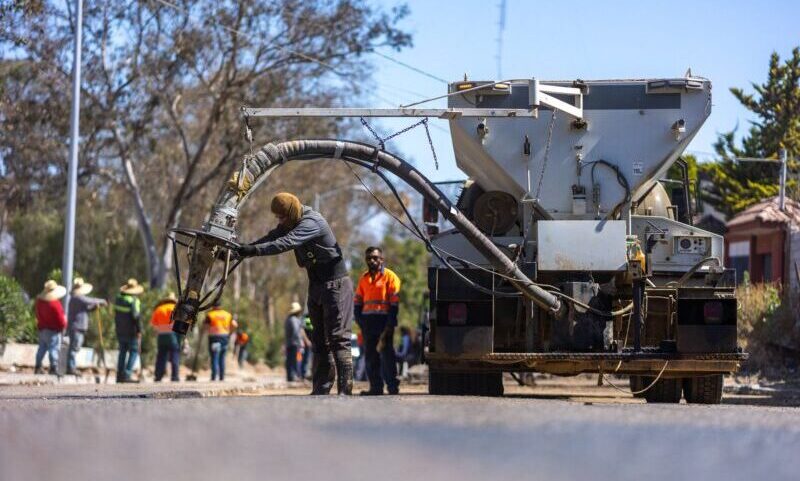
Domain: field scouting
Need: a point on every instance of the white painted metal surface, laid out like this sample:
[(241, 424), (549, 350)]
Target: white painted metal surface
[(581, 245)]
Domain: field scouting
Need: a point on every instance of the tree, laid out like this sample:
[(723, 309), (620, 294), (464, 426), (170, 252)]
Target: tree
[(776, 104), (162, 90)]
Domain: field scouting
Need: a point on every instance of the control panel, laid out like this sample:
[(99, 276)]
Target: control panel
[(692, 245)]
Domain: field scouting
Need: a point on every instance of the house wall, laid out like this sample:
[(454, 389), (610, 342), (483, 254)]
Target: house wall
[(794, 258), (764, 240)]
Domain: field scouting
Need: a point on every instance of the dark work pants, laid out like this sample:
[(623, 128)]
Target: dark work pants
[(381, 366), (330, 307), (128, 353), (169, 349), (292, 365)]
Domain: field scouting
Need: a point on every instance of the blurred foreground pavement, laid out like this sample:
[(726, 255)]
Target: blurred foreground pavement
[(553, 431)]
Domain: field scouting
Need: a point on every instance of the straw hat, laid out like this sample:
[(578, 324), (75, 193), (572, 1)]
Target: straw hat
[(132, 287), (80, 287), (52, 291), (295, 308), (169, 298)]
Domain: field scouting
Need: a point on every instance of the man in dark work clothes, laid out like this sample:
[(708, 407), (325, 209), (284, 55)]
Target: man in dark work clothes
[(330, 291)]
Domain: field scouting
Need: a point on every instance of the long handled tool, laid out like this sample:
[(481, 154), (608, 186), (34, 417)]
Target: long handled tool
[(102, 350)]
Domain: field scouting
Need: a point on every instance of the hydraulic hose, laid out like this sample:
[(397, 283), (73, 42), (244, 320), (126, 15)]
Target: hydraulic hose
[(258, 166)]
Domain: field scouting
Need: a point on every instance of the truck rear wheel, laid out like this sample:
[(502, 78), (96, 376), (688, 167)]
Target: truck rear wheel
[(663, 391), (448, 383), (703, 390)]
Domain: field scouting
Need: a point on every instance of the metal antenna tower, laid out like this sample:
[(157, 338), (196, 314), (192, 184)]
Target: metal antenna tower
[(501, 26)]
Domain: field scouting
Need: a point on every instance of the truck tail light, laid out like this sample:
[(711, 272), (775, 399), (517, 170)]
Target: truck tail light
[(457, 313), (712, 312)]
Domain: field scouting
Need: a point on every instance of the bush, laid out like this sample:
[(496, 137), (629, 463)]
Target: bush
[(767, 330), (17, 321)]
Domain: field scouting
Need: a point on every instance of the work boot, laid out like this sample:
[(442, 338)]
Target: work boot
[(322, 374), (344, 373), (38, 370), (371, 392)]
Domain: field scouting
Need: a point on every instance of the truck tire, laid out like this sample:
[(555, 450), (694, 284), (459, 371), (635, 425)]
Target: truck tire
[(449, 383), (663, 391), (637, 384), (703, 390)]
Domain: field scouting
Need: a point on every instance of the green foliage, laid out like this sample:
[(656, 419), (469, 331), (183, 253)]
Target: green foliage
[(17, 321), (38, 238), (767, 328), (272, 346), (776, 104), (107, 252)]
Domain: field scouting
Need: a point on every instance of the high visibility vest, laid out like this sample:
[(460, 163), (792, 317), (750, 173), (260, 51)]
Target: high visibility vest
[(219, 322), (161, 319), (378, 294)]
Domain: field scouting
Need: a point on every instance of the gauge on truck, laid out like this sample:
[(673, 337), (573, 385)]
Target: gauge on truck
[(692, 245)]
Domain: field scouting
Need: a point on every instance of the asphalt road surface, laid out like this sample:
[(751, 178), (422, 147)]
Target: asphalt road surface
[(408, 437)]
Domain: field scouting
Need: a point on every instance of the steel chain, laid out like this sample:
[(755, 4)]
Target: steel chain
[(382, 141), (546, 155)]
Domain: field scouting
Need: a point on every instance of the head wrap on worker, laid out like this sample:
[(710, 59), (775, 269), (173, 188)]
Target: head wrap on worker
[(287, 205)]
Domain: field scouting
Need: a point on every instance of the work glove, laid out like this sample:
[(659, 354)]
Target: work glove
[(247, 250), (222, 254)]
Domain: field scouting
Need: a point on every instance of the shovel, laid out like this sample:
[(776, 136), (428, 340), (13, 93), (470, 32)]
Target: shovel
[(102, 350)]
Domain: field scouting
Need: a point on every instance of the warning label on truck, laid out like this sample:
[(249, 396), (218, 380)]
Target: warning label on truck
[(638, 168)]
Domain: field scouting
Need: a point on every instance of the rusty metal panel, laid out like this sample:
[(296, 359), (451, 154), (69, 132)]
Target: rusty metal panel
[(581, 245)]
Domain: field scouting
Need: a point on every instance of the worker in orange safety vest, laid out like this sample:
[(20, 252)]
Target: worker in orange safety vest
[(168, 342), (220, 324), (376, 304)]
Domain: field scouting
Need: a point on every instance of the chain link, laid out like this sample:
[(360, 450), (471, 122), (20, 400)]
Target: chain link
[(430, 142), (546, 155), (382, 141), (374, 134)]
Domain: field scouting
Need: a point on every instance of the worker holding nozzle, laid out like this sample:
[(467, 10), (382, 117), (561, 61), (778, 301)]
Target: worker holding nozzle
[(330, 290)]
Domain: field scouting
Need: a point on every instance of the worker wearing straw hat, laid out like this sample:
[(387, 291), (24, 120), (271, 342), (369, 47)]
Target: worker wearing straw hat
[(80, 304), (51, 321), (128, 323), (293, 335)]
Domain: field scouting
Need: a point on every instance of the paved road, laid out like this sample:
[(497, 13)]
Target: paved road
[(409, 437)]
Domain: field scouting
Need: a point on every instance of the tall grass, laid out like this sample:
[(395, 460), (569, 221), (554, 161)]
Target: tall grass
[(768, 329)]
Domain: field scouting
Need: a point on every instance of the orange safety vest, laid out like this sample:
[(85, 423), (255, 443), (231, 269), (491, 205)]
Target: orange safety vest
[(378, 294), (219, 322), (162, 317), (242, 338)]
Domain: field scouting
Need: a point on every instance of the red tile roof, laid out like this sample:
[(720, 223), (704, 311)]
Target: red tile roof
[(768, 211)]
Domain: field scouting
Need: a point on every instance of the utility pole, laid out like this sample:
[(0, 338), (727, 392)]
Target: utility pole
[(72, 176), (783, 181), (782, 161)]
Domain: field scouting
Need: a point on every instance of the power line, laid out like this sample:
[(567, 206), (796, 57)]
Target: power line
[(411, 67)]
